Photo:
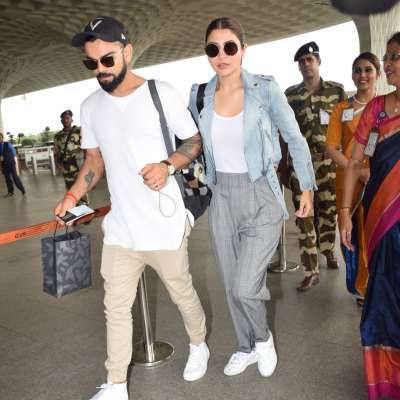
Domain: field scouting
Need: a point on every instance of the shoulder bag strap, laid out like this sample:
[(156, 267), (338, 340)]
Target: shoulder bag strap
[(164, 128), (163, 122)]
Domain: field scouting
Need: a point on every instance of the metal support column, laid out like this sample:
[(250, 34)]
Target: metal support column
[(52, 163), (148, 353), (282, 265), (34, 165), (17, 167)]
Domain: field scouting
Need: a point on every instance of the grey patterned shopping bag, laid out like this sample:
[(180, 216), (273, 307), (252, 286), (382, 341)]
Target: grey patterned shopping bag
[(66, 263)]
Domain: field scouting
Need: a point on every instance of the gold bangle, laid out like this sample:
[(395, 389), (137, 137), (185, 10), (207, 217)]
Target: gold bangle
[(344, 208)]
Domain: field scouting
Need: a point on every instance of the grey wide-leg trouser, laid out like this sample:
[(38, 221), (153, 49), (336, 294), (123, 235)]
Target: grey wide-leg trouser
[(245, 225)]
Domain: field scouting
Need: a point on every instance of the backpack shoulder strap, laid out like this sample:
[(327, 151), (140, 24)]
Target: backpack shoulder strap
[(163, 122), (200, 97)]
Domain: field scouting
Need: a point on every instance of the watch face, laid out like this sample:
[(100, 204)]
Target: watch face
[(171, 169)]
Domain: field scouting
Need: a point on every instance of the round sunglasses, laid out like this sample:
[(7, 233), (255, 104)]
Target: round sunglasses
[(107, 61), (230, 49)]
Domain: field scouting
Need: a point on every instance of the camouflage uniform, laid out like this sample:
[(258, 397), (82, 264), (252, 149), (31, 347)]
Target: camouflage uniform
[(71, 160), (321, 227)]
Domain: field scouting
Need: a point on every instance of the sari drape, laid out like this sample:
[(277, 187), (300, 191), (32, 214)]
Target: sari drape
[(380, 322)]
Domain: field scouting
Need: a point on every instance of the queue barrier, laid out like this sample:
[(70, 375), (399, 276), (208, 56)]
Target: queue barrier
[(283, 265), (44, 227), (149, 353)]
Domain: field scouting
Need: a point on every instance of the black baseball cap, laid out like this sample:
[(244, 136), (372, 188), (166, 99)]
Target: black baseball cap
[(308, 48), (104, 28)]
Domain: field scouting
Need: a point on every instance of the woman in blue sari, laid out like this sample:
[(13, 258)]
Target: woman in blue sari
[(378, 137)]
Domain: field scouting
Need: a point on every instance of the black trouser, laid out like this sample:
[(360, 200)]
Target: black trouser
[(10, 174)]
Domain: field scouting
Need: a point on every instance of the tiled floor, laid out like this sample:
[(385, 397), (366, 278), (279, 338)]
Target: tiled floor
[(54, 349)]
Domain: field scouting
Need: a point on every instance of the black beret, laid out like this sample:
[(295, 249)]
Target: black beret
[(363, 7), (66, 112), (308, 48)]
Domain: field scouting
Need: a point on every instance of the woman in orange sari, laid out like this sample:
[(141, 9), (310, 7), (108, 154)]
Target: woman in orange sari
[(378, 137), (339, 146)]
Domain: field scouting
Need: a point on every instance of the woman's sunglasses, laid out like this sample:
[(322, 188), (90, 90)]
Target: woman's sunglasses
[(230, 49), (107, 61)]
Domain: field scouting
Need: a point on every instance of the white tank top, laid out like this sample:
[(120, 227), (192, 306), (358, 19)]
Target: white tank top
[(227, 136)]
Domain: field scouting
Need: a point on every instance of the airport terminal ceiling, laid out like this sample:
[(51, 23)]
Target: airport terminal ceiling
[(35, 34)]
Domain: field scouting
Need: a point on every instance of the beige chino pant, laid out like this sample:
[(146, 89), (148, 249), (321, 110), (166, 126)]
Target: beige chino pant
[(121, 269)]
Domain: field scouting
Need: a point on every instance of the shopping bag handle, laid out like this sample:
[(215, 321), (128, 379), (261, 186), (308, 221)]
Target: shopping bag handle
[(55, 230)]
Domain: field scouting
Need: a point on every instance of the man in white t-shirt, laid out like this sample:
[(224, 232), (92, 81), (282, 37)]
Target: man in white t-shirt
[(148, 222)]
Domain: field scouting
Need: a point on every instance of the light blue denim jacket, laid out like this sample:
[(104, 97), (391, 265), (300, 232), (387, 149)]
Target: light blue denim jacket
[(265, 111)]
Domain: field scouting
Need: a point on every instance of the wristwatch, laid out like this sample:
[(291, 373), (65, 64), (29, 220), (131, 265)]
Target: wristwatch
[(171, 168)]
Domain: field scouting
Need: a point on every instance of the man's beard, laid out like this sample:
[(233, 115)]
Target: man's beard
[(110, 86)]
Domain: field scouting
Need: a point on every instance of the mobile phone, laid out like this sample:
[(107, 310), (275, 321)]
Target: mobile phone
[(75, 213)]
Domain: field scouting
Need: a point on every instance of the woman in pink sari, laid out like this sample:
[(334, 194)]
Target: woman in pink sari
[(378, 137)]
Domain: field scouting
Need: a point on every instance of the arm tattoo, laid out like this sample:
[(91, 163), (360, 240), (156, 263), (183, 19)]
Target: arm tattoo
[(89, 178), (190, 148)]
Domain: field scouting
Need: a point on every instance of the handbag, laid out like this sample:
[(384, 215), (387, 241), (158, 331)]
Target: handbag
[(66, 263), (191, 180)]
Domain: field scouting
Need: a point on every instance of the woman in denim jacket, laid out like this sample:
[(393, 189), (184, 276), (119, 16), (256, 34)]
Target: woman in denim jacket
[(238, 125)]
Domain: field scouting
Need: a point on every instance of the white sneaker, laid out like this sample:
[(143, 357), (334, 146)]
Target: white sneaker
[(267, 358), (196, 365), (111, 391), (238, 362)]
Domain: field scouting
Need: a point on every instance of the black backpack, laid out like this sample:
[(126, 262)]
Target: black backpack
[(191, 180)]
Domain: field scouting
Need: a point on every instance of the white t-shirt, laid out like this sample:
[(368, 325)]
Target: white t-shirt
[(227, 136), (128, 133)]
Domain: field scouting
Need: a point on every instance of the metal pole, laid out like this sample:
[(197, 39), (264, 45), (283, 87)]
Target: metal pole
[(17, 166), (34, 165), (149, 353), (282, 265), (52, 163)]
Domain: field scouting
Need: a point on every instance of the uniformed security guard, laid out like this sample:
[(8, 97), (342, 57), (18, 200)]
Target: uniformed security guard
[(67, 151), (312, 102)]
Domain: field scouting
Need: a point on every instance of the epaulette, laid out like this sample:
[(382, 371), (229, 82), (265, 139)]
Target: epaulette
[(293, 88), (334, 84)]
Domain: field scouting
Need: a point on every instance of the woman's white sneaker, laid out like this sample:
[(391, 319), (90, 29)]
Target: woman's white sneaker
[(238, 362), (196, 365), (111, 391), (267, 358)]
